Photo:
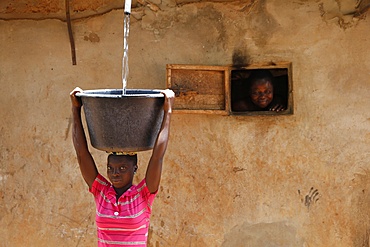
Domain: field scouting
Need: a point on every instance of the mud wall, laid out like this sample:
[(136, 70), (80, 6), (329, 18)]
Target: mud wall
[(292, 180)]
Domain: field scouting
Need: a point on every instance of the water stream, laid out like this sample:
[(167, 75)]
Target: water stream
[(126, 30)]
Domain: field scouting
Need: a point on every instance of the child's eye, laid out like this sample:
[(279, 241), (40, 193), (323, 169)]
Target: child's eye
[(123, 168)]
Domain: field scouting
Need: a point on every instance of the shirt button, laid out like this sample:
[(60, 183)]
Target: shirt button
[(115, 213)]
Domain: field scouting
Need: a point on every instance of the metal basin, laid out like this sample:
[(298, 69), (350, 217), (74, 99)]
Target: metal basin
[(123, 123)]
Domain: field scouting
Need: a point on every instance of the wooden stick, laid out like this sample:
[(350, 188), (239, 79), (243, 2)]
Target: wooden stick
[(70, 33)]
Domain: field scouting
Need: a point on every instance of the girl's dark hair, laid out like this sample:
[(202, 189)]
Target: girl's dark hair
[(259, 74), (130, 158)]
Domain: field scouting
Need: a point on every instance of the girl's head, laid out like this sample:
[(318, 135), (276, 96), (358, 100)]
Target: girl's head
[(261, 91), (121, 169)]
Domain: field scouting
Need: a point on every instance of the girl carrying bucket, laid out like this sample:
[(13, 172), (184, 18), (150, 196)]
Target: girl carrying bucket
[(122, 209)]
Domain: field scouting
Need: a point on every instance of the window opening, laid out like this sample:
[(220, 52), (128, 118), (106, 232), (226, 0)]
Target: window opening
[(256, 91)]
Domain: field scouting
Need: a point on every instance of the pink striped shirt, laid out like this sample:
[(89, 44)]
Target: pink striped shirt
[(124, 222)]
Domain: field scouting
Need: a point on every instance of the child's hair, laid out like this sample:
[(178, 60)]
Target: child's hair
[(132, 157), (259, 74)]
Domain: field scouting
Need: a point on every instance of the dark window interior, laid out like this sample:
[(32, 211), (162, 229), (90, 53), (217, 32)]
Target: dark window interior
[(240, 85)]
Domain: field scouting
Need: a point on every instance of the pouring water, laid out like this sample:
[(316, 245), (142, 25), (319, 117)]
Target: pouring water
[(126, 30)]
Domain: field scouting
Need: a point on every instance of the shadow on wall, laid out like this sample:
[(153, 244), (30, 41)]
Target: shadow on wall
[(263, 235)]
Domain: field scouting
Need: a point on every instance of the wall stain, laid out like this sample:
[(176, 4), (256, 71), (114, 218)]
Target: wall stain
[(238, 169), (68, 129), (360, 203), (92, 37)]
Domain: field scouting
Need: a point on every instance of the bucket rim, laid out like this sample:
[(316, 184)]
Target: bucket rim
[(117, 93)]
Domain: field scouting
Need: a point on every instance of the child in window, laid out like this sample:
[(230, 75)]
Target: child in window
[(261, 96)]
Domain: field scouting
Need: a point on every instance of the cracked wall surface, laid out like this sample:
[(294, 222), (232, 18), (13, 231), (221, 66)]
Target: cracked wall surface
[(230, 181), (343, 10)]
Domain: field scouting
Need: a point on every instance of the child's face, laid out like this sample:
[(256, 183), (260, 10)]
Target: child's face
[(120, 171), (261, 93)]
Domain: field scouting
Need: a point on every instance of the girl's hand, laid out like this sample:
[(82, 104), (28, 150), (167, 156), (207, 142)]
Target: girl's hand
[(277, 108), (76, 101), (169, 98)]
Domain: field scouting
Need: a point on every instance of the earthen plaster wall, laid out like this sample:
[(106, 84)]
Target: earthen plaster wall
[(258, 181)]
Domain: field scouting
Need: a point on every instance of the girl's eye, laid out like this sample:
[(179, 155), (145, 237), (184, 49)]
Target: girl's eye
[(123, 168)]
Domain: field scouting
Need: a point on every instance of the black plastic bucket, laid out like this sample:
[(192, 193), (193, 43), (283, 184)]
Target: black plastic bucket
[(123, 123)]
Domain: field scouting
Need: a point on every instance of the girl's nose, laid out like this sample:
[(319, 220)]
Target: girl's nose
[(116, 171)]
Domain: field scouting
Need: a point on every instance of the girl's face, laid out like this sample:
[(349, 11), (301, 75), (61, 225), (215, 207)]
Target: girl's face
[(261, 93), (120, 171)]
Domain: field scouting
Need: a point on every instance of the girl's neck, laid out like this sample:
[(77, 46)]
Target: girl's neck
[(120, 191)]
